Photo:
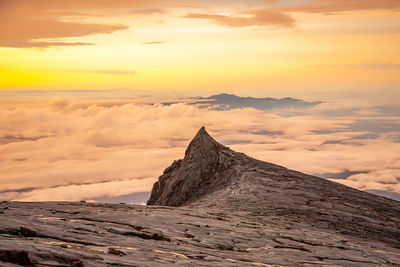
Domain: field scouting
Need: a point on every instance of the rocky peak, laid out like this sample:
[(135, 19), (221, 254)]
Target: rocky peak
[(196, 174), (212, 175), (203, 143), (207, 167)]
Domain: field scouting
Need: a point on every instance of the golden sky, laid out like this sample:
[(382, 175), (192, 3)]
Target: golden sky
[(301, 48)]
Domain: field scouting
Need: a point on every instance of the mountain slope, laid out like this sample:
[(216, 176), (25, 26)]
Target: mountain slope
[(233, 211), (212, 175)]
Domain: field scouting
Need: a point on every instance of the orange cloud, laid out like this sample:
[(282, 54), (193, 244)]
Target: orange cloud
[(147, 11), (37, 23), (381, 66), (278, 16), (328, 6), (41, 23), (153, 43), (112, 72), (15, 33), (74, 4), (260, 17)]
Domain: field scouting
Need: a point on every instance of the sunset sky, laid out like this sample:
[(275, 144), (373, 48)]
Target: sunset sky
[(84, 86), (294, 47)]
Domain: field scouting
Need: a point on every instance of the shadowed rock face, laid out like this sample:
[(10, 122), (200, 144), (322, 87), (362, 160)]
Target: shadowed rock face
[(208, 166), (196, 175)]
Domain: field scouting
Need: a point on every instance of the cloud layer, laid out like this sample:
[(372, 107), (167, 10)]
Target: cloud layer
[(332, 6), (39, 23), (45, 23), (280, 16), (71, 149), (260, 17)]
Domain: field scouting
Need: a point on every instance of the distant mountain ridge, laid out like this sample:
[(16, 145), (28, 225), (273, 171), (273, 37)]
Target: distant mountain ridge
[(231, 101)]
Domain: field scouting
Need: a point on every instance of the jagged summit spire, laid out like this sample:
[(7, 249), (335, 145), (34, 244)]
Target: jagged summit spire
[(193, 176), (202, 141), (202, 133)]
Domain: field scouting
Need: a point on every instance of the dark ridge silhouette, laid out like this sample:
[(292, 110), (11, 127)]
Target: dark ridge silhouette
[(231, 101)]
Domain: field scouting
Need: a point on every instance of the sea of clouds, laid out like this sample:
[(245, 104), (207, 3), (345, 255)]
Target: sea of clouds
[(74, 147)]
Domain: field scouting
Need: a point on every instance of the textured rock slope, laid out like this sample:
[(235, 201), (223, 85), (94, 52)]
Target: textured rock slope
[(233, 211), (213, 175)]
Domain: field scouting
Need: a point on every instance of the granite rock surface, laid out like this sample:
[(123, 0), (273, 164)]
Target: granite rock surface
[(215, 207)]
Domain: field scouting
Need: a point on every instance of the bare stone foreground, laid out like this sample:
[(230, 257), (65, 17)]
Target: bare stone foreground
[(215, 207)]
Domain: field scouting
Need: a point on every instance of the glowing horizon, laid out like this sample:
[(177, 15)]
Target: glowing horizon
[(244, 46)]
